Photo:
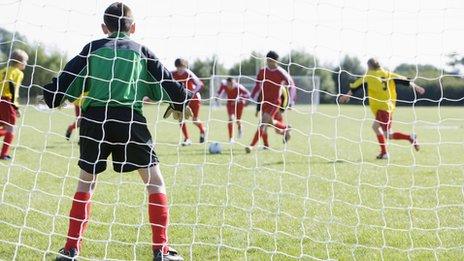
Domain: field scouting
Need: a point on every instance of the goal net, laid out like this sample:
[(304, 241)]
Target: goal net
[(322, 195)]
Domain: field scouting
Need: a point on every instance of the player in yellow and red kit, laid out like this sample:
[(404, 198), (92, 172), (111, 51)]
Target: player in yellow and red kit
[(11, 77), (381, 89)]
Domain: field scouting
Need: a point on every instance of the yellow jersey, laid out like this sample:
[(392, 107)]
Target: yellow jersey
[(381, 89), (10, 81)]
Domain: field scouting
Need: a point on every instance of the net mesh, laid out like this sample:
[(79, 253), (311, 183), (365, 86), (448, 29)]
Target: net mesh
[(320, 196)]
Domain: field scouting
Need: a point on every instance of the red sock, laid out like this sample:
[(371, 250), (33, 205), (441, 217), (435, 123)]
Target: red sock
[(159, 218), (400, 136), (383, 145), (71, 127), (7, 141), (2, 132), (256, 137), (184, 131), (265, 139), (78, 216), (200, 127), (230, 128)]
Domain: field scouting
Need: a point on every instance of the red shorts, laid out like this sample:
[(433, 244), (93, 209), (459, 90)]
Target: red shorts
[(7, 112), (236, 109), (195, 106), (270, 108), (384, 119)]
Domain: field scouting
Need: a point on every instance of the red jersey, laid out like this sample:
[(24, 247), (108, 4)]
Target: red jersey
[(269, 82), (190, 81), (237, 93)]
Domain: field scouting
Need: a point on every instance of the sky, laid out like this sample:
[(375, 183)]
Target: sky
[(395, 31)]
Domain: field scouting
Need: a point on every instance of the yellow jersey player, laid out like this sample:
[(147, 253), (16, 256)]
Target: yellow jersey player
[(381, 89), (11, 77)]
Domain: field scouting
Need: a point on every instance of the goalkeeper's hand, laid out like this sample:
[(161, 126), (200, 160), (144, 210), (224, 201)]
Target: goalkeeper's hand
[(178, 115)]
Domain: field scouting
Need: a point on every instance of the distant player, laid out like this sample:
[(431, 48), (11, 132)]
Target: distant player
[(381, 88), (117, 73), (236, 101), (76, 123), (193, 84), (11, 77), (270, 83)]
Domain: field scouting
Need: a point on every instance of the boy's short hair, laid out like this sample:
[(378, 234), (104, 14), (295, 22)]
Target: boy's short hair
[(273, 55), (118, 17), (19, 56), (230, 79), (373, 63), (180, 62)]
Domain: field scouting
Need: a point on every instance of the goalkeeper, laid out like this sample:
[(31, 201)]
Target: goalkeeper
[(381, 88), (114, 74)]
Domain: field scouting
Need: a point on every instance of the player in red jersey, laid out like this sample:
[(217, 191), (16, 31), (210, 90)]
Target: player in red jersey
[(237, 95), (269, 86), (193, 84), (77, 122)]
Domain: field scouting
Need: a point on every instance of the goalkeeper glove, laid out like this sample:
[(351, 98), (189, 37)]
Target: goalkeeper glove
[(178, 115)]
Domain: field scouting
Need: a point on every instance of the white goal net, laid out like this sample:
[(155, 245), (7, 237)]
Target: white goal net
[(322, 195)]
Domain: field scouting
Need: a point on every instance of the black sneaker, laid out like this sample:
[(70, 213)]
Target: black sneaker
[(67, 255), (7, 157), (68, 134), (202, 138), (172, 255)]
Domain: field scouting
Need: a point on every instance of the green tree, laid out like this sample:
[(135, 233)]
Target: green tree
[(43, 63), (441, 86), (248, 66), (204, 69), (346, 72), (301, 63)]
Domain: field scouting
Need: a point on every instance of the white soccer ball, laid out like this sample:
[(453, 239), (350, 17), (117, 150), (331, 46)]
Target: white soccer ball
[(215, 148)]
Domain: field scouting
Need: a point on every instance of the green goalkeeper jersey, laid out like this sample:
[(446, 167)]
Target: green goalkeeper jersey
[(115, 72)]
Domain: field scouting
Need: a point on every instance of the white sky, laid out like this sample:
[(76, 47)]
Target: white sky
[(395, 31)]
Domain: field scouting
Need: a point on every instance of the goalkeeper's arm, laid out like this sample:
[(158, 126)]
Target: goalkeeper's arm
[(57, 91), (178, 95)]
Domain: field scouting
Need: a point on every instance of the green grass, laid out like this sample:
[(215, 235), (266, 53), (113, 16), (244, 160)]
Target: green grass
[(323, 196)]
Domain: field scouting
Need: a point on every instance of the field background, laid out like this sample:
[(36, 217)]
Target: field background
[(322, 196)]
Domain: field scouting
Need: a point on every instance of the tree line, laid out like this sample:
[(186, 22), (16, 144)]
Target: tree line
[(444, 87)]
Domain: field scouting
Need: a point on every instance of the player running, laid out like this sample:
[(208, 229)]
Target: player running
[(270, 84), (11, 77), (237, 95), (381, 89), (193, 84), (116, 73), (75, 124), (284, 105)]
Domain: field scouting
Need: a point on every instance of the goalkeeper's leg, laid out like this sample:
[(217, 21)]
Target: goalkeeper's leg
[(158, 213), (79, 215)]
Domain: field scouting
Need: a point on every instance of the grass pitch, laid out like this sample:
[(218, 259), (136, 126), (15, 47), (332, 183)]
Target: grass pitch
[(322, 196)]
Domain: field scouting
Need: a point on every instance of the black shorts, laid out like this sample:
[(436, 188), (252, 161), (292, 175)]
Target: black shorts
[(121, 132)]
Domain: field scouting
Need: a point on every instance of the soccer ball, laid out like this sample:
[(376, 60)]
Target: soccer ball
[(215, 148)]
